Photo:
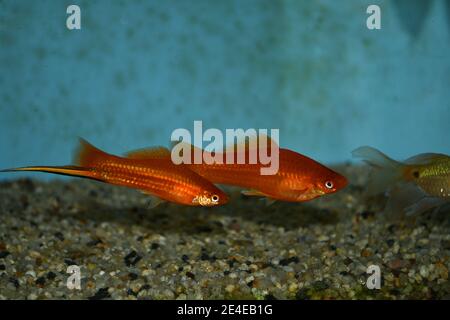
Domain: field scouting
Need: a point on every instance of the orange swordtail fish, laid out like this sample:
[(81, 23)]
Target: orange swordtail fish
[(298, 178), (150, 171)]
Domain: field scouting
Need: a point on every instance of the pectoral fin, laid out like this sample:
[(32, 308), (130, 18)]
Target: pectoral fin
[(153, 201), (268, 200)]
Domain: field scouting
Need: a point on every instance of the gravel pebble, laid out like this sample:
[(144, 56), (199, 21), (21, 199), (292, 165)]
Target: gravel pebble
[(244, 250)]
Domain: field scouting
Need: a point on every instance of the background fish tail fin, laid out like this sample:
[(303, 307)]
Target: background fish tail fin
[(375, 157), (386, 170)]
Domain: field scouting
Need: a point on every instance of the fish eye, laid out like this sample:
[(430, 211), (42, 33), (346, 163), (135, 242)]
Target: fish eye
[(215, 198), (329, 184)]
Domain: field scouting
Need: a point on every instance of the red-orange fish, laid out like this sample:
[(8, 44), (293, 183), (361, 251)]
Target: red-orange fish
[(298, 179), (150, 171)]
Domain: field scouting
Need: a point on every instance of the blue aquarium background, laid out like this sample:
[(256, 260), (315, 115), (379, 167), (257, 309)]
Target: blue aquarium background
[(137, 70)]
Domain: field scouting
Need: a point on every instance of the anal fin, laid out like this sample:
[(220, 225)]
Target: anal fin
[(252, 192)]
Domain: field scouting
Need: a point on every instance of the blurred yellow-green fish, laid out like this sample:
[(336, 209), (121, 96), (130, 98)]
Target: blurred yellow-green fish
[(416, 185)]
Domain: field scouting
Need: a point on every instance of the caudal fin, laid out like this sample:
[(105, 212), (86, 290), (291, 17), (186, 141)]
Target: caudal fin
[(75, 171), (386, 170), (88, 156)]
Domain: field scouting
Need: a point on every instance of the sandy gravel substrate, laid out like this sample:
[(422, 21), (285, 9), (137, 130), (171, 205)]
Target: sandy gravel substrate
[(315, 250)]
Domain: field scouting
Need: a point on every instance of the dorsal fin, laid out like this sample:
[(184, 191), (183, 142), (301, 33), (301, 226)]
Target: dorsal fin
[(149, 153), (181, 146), (425, 158), (232, 146), (268, 139), (245, 142), (186, 145)]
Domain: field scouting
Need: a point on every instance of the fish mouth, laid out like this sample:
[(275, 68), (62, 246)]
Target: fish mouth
[(341, 183)]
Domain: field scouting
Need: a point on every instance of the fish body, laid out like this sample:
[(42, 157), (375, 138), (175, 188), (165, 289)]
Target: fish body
[(418, 183), (154, 175), (298, 178), (431, 172)]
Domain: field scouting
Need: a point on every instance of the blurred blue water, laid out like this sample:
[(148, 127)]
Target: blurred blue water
[(137, 70)]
